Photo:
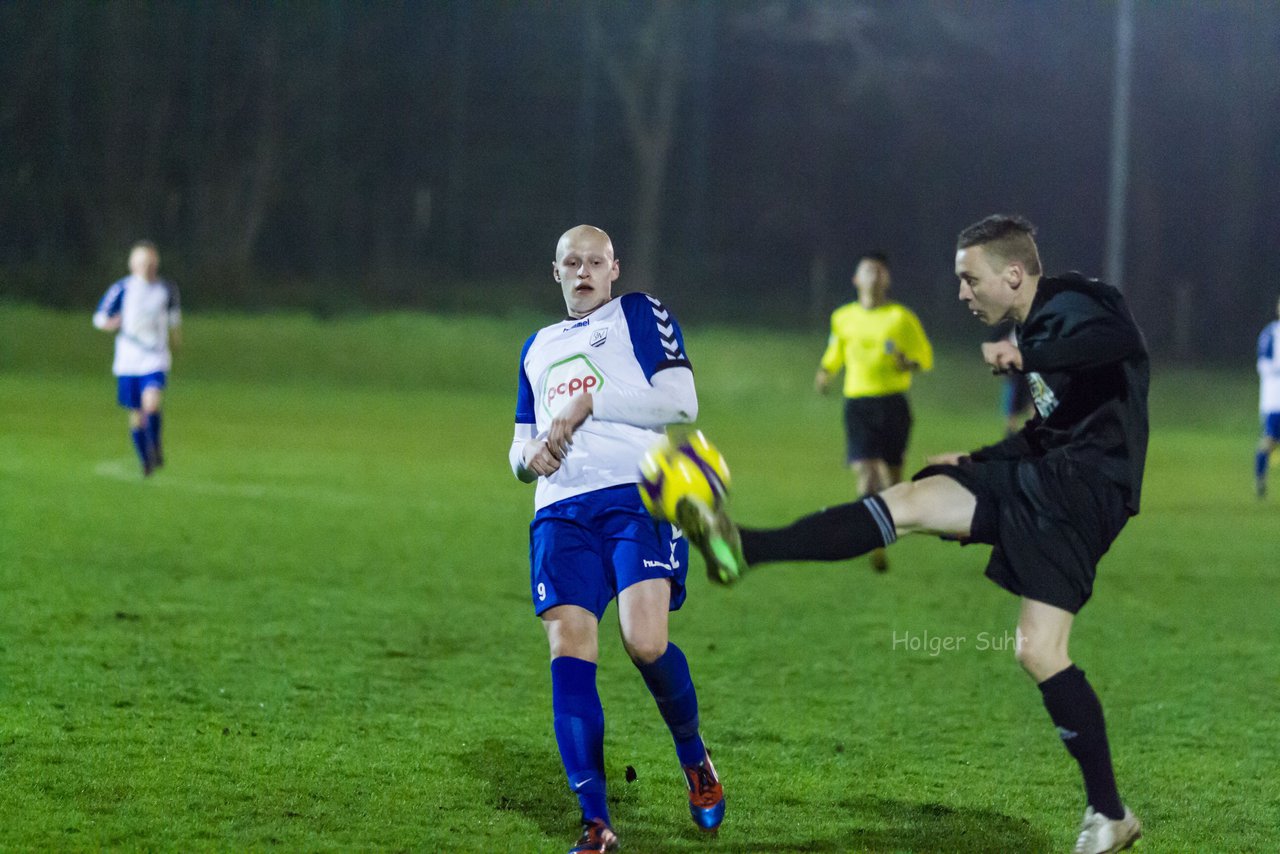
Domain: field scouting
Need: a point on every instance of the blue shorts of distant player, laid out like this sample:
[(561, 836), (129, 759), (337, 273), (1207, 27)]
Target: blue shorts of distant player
[(129, 389), (586, 549), (1271, 425)]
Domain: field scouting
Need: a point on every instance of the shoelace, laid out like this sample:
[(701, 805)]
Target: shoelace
[(703, 782)]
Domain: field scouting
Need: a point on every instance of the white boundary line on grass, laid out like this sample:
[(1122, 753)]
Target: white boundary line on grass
[(128, 471)]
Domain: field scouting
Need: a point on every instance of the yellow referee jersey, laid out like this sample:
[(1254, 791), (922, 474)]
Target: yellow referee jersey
[(863, 342)]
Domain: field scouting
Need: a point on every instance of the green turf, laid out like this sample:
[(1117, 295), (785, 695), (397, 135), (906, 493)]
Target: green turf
[(312, 630)]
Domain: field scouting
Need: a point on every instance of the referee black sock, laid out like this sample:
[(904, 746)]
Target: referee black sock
[(1077, 714), (836, 533)]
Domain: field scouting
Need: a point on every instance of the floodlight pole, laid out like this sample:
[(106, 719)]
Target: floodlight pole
[(1119, 144)]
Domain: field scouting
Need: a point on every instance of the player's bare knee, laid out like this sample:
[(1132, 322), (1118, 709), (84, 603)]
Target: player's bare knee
[(575, 645), (932, 505), (645, 650), (571, 636), (1039, 660)]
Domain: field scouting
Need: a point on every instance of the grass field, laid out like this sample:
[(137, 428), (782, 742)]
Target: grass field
[(312, 630)]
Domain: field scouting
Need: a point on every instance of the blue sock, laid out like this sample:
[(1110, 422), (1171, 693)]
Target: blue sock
[(579, 725), (672, 687), (1260, 464), (153, 434), (142, 445)]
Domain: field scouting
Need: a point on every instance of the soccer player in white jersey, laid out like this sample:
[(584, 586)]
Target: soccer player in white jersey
[(1269, 398), (142, 310), (595, 392)]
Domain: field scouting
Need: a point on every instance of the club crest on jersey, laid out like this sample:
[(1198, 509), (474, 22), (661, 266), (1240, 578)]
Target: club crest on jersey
[(1046, 401), (597, 337), (569, 377)]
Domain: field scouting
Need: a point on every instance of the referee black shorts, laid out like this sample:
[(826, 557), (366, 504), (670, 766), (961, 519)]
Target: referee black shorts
[(877, 428), (1049, 521)]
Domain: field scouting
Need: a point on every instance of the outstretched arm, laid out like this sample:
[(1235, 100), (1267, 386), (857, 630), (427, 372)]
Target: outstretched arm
[(670, 398)]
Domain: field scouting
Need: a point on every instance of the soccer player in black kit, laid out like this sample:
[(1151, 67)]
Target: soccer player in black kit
[(1049, 499)]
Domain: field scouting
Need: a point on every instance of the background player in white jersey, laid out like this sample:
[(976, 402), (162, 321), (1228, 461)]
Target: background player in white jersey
[(142, 309), (595, 392), (1269, 398)]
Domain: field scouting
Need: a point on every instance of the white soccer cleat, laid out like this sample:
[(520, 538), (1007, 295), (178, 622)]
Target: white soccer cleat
[(1102, 835)]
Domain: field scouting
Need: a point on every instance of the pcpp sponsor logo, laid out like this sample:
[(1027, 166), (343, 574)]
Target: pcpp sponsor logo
[(567, 379), (570, 387)]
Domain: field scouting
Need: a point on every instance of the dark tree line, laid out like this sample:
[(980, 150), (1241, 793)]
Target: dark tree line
[(346, 154)]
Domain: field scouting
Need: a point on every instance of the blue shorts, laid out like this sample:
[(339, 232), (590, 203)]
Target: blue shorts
[(129, 389), (1271, 425), (586, 549)]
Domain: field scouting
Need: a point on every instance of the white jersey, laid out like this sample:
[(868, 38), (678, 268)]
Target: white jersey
[(147, 311), (1269, 368), (611, 353)]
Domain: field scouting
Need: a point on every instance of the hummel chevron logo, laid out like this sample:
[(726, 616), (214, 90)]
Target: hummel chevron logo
[(666, 328)]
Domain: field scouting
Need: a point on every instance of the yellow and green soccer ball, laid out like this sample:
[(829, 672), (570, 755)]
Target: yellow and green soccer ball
[(682, 467)]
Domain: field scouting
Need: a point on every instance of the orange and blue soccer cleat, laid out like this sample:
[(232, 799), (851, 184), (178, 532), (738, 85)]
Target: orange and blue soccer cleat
[(597, 837), (706, 795)]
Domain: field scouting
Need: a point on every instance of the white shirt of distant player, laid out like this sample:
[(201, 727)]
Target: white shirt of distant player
[(595, 354), (147, 311), (1269, 368)]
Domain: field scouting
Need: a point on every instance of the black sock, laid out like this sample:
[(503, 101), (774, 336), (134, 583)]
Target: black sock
[(836, 533), (1077, 714)]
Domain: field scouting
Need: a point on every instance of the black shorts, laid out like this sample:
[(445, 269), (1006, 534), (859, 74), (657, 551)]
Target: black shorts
[(1049, 521), (877, 428)]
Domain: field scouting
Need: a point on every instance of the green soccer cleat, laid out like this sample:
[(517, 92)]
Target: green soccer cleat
[(716, 537)]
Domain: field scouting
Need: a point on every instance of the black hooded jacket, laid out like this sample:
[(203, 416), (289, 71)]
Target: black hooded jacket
[(1087, 365)]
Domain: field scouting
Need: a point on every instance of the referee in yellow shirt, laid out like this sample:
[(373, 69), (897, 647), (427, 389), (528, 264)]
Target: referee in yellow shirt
[(879, 344)]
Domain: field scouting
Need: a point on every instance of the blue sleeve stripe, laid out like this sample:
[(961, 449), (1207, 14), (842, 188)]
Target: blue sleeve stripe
[(1267, 341), (525, 412), (656, 338), (112, 300)]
